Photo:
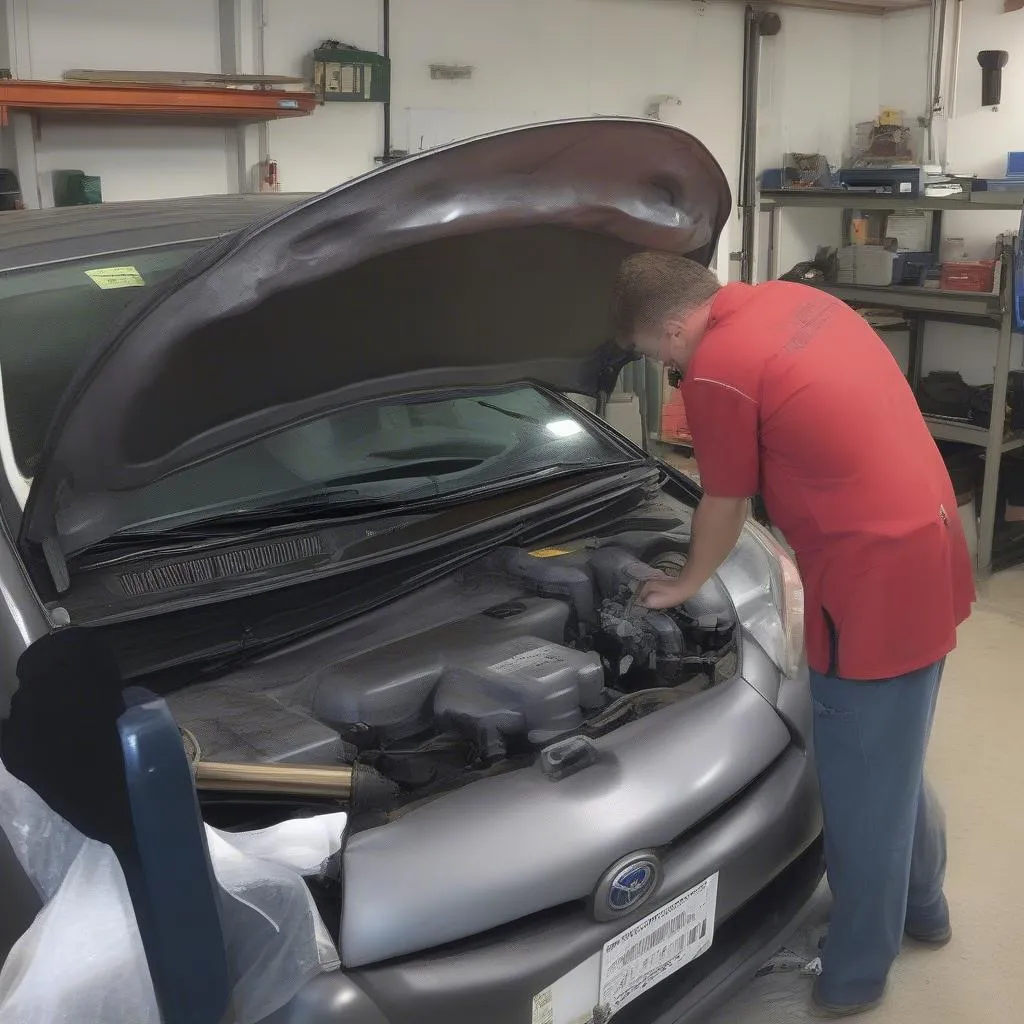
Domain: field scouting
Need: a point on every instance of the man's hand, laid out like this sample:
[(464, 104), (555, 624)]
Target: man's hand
[(717, 523), (661, 594)]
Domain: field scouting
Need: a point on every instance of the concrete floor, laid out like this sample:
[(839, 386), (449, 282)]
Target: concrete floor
[(976, 761)]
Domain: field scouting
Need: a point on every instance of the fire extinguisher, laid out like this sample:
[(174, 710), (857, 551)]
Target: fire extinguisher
[(269, 180)]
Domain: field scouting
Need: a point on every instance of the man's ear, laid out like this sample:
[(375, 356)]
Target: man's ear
[(674, 327)]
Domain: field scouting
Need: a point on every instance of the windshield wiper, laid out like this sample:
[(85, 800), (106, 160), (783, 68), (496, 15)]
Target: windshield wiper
[(329, 502), (330, 505), (511, 413)]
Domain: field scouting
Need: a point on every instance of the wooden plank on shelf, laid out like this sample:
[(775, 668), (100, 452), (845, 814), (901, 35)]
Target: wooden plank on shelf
[(176, 78), (154, 100)]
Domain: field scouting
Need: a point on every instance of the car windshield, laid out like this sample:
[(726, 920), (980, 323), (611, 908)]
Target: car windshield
[(51, 315), (386, 453), (382, 454)]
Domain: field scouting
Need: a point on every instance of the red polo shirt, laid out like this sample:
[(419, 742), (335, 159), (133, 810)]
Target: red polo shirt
[(790, 394)]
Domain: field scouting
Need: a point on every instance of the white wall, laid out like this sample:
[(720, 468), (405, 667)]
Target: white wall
[(904, 65), (977, 141), (133, 162), (819, 76), (534, 59), (537, 59), (542, 59), (339, 140)]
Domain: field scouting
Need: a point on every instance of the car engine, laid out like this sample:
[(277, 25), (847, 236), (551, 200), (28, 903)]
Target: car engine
[(527, 650)]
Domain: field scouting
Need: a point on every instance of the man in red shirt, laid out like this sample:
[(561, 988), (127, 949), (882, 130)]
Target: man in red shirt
[(791, 395)]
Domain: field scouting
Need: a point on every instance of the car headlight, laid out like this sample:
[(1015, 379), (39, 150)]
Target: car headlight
[(765, 586)]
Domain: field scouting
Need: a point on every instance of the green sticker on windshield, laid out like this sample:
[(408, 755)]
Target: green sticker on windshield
[(116, 277)]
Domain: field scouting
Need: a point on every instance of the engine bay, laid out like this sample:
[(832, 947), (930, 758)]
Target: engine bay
[(519, 654)]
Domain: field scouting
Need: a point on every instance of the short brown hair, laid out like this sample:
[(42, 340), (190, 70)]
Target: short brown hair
[(652, 285)]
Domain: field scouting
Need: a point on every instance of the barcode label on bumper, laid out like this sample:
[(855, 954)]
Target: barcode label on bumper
[(634, 961), (658, 946)]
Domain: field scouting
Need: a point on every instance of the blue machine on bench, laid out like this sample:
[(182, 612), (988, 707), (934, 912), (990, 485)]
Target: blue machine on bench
[(903, 182)]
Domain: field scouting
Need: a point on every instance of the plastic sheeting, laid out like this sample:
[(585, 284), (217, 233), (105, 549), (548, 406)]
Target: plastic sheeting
[(82, 961), (781, 992)]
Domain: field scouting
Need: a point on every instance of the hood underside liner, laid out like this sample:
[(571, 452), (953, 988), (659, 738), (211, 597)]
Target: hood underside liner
[(483, 263)]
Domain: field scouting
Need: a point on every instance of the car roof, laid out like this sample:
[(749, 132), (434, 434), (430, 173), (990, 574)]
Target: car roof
[(33, 237)]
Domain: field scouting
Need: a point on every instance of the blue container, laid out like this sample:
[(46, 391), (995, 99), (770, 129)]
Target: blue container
[(1014, 183), (911, 268), (1014, 164)]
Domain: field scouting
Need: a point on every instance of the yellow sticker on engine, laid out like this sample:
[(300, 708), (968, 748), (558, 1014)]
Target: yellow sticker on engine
[(116, 277), (549, 553)]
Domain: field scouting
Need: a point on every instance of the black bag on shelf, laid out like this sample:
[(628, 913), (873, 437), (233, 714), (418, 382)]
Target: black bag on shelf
[(981, 404), (1011, 480), (10, 190), (946, 393)]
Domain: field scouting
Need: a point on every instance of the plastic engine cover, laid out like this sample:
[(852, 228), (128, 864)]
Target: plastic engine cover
[(527, 687), (231, 724)]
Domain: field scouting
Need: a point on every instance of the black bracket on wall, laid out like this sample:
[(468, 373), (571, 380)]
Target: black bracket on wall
[(992, 63)]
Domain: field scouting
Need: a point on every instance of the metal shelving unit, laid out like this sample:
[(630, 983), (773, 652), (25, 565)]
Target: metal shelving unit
[(72, 98), (871, 201), (919, 305)]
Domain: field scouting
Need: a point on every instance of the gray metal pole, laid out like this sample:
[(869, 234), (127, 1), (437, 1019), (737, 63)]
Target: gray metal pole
[(997, 425), (20, 131)]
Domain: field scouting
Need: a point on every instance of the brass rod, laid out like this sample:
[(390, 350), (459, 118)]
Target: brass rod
[(293, 780)]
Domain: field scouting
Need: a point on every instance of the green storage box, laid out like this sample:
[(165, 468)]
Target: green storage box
[(343, 73), (76, 188)]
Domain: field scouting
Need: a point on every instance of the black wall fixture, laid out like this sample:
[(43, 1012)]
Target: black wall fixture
[(992, 63)]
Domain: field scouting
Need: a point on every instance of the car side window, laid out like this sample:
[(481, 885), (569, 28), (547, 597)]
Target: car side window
[(50, 319)]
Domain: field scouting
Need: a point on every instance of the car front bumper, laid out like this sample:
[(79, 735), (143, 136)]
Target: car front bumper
[(765, 846)]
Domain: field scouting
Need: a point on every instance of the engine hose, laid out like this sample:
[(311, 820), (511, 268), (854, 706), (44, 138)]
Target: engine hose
[(656, 697)]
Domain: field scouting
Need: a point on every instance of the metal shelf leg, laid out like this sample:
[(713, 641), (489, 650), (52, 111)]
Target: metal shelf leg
[(994, 447)]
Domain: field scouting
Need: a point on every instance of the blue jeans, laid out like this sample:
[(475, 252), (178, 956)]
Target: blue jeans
[(885, 835)]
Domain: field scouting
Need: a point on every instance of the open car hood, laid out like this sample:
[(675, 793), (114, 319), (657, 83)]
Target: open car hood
[(483, 263)]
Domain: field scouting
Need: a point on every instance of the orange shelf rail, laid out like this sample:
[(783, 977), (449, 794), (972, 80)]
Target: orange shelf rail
[(153, 100)]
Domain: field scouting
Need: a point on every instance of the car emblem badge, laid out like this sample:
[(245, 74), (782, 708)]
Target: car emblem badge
[(626, 885)]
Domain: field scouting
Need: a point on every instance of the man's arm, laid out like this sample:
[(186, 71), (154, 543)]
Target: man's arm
[(725, 425), (717, 523)]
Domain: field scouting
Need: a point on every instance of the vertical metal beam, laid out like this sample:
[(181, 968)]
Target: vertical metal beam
[(259, 67), (238, 24), (748, 144), (915, 358), (997, 422), (757, 23), (774, 243), (385, 15), (19, 132)]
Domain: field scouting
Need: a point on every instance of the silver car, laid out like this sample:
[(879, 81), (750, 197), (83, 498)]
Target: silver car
[(325, 484)]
